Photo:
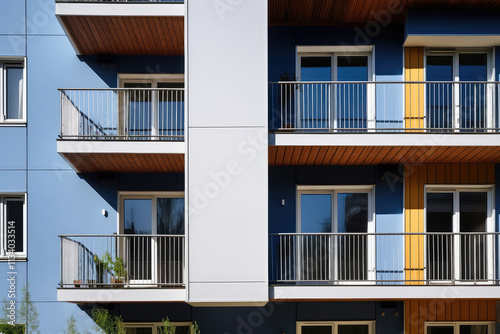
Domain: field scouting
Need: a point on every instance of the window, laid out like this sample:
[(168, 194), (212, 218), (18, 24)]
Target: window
[(12, 88), (340, 256), (459, 328), (153, 328), (325, 105), (155, 249), (13, 226), (331, 327), (466, 106), (458, 220), (153, 105)]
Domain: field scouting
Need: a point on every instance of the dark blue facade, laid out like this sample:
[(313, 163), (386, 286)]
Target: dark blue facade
[(275, 317), (283, 182)]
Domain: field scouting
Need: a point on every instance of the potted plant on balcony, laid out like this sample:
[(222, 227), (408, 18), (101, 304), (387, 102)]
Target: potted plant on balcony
[(77, 283), (101, 266), (119, 272)]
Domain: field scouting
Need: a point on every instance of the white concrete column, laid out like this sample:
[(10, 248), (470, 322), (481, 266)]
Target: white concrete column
[(227, 152)]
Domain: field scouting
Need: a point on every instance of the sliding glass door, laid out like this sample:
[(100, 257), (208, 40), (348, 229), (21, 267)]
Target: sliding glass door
[(334, 244), (462, 106), (458, 247), (326, 100), (154, 259)]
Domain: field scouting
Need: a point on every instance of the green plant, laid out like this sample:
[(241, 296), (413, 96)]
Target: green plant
[(28, 313), (101, 266), (118, 268), (26, 317), (12, 329), (167, 328), (108, 323), (194, 328), (71, 327)]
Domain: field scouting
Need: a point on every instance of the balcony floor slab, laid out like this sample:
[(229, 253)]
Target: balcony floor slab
[(117, 295), (350, 292), (123, 156), (379, 148)]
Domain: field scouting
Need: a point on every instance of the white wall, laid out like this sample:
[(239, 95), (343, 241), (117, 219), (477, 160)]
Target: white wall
[(227, 158)]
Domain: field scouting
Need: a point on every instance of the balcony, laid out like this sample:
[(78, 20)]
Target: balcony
[(122, 130), (122, 27), (383, 265), (122, 268), (362, 123)]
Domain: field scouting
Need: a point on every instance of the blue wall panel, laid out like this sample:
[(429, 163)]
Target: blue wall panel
[(12, 181), (452, 22), (390, 317), (47, 71), (20, 273), (340, 311), (151, 64), (60, 203), (12, 45), (53, 318), (14, 22), (12, 147), (41, 19)]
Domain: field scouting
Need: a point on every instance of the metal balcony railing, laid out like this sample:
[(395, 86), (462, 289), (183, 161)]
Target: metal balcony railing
[(384, 258), (122, 114), (360, 106), (126, 261)]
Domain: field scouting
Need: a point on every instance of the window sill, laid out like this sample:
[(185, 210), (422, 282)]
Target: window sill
[(16, 124), (16, 259)]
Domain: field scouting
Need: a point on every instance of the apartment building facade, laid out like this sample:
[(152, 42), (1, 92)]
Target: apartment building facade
[(252, 166)]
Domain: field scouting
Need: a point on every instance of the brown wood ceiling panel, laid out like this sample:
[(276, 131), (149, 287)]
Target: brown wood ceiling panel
[(126, 35), (126, 162), (337, 12), (375, 155)]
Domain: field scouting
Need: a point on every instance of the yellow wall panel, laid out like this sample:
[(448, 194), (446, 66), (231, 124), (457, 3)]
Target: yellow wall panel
[(417, 176), (414, 93)]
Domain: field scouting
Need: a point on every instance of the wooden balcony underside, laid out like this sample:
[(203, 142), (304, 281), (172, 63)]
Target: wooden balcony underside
[(126, 35), (297, 12), (375, 155), (126, 162)]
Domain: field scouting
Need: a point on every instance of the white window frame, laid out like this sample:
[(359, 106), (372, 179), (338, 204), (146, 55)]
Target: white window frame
[(334, 191), (490, 225), (490, 92), (335, 324), (15, 62), (153, 79), (153, 325), (5, 197), (334, 52), (153, 196), (456, 325)]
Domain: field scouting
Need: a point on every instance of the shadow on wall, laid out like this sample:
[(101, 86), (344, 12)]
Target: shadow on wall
[(108, 185), (107, 67)]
